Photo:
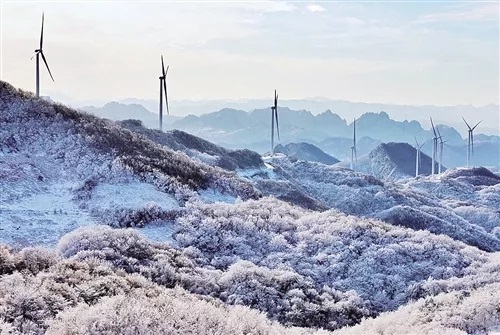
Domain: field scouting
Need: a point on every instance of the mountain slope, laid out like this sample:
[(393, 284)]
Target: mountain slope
[(307, 152), (198, 148), (451, 204), (394, 160), (241, 267), (120, 111), (67, 158)]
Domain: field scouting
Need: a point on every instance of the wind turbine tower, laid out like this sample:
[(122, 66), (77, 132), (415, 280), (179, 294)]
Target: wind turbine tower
[(354, 154), (470, 141), (441, 148), (163, 88), (434, 149), (418, 160), (274, 115), (38, 53)]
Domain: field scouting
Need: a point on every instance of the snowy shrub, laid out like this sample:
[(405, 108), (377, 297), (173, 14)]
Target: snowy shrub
[(378, 261), (127, 217), (289, 297), (7, 260), (171, 312), (458, 312), (36, 259), (430, 219), (481, 216)]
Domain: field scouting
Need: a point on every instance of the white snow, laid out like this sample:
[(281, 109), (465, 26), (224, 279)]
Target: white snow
[(494, 330), (41, 219), (250, 173), (133, 195), (211, 196), (159, 232)]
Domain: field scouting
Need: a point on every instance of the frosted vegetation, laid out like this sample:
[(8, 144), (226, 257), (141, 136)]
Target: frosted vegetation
[(462, 204), (115, 281), (326, 251)]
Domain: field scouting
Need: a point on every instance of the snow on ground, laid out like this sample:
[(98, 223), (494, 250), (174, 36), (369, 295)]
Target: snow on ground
[(267, 172), (132, 195), (41, 219), (160, 231), (494, 330), (211, 196)]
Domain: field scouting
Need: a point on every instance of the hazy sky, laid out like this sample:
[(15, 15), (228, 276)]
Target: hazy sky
[(418, 52)]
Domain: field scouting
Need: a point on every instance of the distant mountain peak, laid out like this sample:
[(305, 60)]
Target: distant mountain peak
[(306, 151)]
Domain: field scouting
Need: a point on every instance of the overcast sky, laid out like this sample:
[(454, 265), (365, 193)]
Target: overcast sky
[(442, 53)]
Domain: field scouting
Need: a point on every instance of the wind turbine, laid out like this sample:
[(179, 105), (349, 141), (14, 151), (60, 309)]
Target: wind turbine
[(434, 149), (38, 53), (274, 115), (441, 147), (354, 154), (418, 160), (470, 142), (163, 88)]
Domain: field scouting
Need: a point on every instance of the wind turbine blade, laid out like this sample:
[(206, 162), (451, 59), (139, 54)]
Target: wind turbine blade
[(166, 96), (162, 67), (466, 123), (47, 65), (277, 125), (477, 124), (438, 133), (416, 141), (41, 34), (433, 128)]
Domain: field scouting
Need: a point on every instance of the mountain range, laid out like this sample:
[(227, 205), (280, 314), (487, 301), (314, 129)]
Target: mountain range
[(348, 110), (238, 129)]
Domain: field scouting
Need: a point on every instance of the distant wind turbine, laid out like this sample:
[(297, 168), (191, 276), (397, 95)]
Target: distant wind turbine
[(434, 149), (470, 142), (441, 148), (163, 88), (274, 115), (418, 158), (38, 53), (354, 154)]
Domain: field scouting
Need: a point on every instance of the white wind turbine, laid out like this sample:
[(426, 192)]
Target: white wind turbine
[(470, 142), (38, 53), (441, 148), (354, 154), (163, 88), (274, 115), (418, 158), (434, 149)]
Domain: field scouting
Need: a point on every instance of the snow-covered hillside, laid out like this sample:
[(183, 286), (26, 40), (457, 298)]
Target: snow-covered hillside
[(104, 229), (58, 164), (305, 151), (393, 161), (460, 203)]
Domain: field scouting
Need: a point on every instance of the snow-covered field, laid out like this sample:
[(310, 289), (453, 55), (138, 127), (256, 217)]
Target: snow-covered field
[(41, 218)]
